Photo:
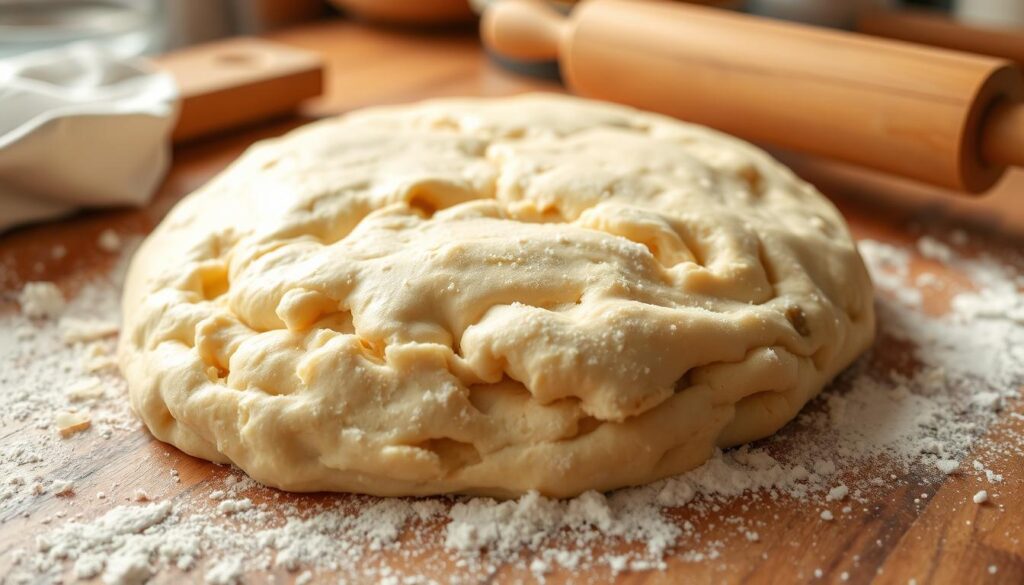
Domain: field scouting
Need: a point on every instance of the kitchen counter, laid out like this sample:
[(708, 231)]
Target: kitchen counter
[(919, 529)]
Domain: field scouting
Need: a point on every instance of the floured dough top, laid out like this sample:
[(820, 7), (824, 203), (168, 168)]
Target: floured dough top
[(489, 296)]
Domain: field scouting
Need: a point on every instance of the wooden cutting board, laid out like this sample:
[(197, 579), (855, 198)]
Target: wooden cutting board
[(943, 538)]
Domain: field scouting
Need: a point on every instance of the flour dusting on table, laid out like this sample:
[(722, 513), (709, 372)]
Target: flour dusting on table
[(882, 426)]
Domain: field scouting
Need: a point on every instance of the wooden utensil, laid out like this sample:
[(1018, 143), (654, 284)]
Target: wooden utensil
[(934, 28), (239, 81), (949, 118)]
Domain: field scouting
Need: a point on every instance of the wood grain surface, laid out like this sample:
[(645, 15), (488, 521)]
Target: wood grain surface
[(943, 538)]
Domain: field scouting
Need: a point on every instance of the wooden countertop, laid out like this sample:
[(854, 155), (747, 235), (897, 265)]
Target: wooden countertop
[(944, 540)]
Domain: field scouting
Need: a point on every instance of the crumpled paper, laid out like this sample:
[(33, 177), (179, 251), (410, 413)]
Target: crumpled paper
[(80, 127)]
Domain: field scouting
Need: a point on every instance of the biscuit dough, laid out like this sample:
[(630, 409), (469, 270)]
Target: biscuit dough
[(489, 297)]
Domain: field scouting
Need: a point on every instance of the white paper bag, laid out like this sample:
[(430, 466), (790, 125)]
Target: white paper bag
[(80, 127)]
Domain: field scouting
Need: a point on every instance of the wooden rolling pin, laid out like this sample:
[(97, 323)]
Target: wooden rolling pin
[(944, 117)]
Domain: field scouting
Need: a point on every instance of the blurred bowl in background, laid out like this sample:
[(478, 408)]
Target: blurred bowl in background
[(126, 27), (426, 12)]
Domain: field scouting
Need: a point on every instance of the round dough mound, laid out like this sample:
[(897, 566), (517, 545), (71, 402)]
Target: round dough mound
[(489, 297)]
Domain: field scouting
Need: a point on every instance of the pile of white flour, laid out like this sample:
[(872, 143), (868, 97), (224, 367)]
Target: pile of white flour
[(882, 424)]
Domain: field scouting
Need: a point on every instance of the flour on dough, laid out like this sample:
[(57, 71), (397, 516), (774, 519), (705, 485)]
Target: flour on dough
[(489, 297)]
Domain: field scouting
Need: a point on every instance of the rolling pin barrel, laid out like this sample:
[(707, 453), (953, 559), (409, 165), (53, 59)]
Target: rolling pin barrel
[(915, 111)]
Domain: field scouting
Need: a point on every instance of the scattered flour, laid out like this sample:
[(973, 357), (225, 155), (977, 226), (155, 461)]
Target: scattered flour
[(881, 424), (933, 249), (90, 388), (837, 493), (75, 329), (41, 300)]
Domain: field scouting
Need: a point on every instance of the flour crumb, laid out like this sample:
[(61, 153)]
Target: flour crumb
[(227, 571), (947, 466), (83, 390), (109, 241), (981, 497), (77, 330), (97, 358), (933, 249), (837, 493), (826, 515), (234, 506), (62, 487), (41, 300), (128, 568), (71, 422)]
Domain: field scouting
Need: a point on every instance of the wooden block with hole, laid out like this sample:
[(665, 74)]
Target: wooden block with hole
[(238, 81)]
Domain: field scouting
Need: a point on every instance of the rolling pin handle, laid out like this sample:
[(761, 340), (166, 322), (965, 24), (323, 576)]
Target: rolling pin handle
[(526, 30), (1003, 136)]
